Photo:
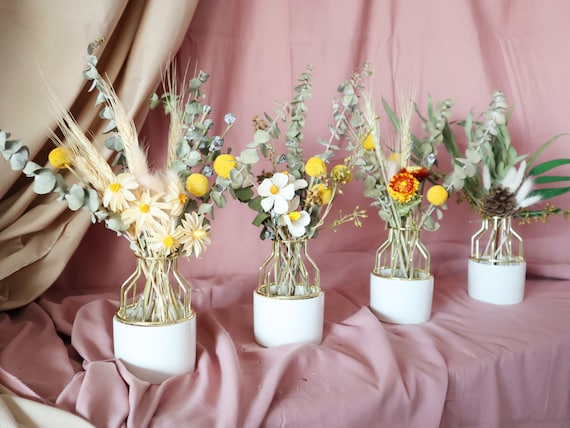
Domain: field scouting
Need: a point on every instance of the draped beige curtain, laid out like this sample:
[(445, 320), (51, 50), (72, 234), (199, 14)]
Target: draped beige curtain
[(42, 45)]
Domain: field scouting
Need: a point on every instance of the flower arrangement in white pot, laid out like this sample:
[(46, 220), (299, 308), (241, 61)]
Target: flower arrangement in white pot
[(501, 186), (292, 200), (404, 182), (163, 213)]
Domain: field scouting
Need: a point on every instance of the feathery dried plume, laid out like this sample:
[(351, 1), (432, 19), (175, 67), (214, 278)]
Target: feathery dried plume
[(84, 156)]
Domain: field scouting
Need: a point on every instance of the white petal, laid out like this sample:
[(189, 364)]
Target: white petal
[(300, 184), (304, 219), (280, 206), (288, 192), (267, 203), (296, 229), (280, 179), (264, 188)]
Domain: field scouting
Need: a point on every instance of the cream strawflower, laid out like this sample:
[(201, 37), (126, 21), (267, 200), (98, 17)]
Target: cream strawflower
[(145, 212), (276, 192), (119, 193), (193, 234)]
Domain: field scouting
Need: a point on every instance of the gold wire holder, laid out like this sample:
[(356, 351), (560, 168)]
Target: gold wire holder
[(403, 255), (289, 272), (156, 293), (496, 242)]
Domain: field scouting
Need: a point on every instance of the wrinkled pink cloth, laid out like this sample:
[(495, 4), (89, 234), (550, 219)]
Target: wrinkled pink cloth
[(472, 364)]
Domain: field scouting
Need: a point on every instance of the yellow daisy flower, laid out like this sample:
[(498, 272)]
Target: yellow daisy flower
[(193, 234)]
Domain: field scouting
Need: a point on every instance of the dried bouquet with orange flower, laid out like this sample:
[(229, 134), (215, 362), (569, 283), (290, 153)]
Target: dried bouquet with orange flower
[(163, 213), (404, 183)]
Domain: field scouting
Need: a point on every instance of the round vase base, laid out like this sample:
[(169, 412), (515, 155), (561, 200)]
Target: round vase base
[(399, 300), (154, 353), (497, 284), (282, 321)]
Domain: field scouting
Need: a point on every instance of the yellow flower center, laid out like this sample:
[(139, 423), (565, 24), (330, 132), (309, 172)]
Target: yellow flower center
[(144, 208), (168, 241), (403, 187), (274, 190), (294, 216), (115, 187), (182, 198), (199, 234)]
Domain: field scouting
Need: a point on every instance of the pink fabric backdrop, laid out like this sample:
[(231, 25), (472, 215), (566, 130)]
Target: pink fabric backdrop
[(472, 364)]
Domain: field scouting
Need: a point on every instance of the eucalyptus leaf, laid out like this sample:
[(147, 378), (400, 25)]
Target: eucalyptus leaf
[(19, 159), (91, 201), (218, 198), (249, 156), (31, 169), (75, 197), (44, 181)]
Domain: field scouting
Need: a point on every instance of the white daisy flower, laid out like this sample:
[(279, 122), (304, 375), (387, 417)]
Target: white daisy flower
[(276, 192), (145, 212), (296, 222), (193, 234), (162, 239), (119, 193)]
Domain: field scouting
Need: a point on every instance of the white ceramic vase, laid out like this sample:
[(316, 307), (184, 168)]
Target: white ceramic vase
[(281, 320), (401, 300), (496, 271), (154, 353), (498, 284)]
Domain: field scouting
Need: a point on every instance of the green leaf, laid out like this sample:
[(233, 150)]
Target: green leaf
[(261, 136), (44, 181), (31, 169), (260, 218), (249, 156), (551, 179), (218, 198), (551, 192), (19, 159), (244, 194), (75, 197), (391, 115), (547, 166), (91, 201), (541, 148)]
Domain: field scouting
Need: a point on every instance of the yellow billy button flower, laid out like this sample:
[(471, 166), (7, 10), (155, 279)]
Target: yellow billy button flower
[(341, 174), (59, 158), (315, 167), (197, 184), (224, 164), (368, 142), (437, 195), (323, 192)]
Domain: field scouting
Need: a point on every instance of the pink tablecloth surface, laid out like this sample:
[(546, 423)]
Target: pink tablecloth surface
[(473, 364)]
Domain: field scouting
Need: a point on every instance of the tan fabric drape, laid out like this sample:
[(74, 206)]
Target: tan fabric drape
[(43, 44)]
